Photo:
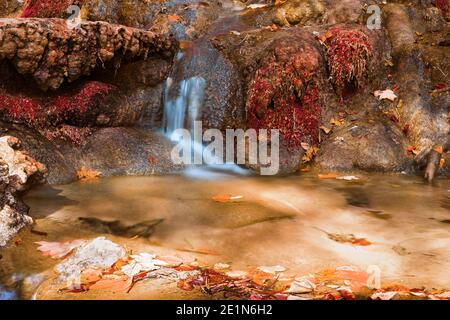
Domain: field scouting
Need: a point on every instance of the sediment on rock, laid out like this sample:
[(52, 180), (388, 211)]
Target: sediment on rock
[(18, 172), (53, 52)]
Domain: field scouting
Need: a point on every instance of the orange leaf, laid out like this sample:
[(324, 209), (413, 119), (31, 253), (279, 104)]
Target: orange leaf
[(327, 176), (361, 242), (120, 285), (226, 198), (58, 250), (174, 18)]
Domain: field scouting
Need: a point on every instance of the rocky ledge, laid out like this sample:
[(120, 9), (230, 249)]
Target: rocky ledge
[(53, 50), (18, 172)]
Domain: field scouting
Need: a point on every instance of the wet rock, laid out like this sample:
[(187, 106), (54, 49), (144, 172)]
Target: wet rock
[(18, 172), (9, 7), (428, 125), (295, 12), (185, 18), (98, 253), (363, 146), (127, 151), (53, 52)]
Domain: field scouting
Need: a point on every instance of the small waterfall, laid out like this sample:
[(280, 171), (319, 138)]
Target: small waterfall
[(184, 109), (183, 100)]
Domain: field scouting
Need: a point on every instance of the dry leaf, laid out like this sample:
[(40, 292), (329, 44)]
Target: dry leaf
[(325, 129), (337, 122), (384, 295), (385, 95), (226, 198), (58, 250), (85, 174), (272, 269), (327, 175), (120, 284)]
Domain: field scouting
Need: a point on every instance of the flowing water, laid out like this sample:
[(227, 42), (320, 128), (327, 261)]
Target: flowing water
[(279, 221)]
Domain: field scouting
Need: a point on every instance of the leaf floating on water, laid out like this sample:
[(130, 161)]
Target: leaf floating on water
[(347, 178), (58, 250), (327, 175), (346, 238), (223, 198)]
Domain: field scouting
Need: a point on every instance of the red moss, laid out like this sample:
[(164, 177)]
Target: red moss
[(45, 112), (443, 5), (89, 94), (46, 8), (284, 96), (348, 54), (19, 108)]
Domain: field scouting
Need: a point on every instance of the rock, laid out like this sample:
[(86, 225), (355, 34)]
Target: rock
[(9, 7), (127, 151), (17, 172), (53, 52), (378, 147), (97, 253), (301, 12), (183, 18)]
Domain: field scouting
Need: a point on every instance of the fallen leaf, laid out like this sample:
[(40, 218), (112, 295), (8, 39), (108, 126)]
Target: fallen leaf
[(337, 122), (257, 6), (347, 178), (383, 295), (223, 198), (172, 261), (272, 269), (237, 274), (327, 175), (174, 18), (58, 250), (86, 175), (413, 150), (301, 285), (120, 285), (325, 129), (385, 95), (221, 266)]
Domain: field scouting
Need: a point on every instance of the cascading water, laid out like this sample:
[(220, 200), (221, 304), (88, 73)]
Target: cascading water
[(183, 100)]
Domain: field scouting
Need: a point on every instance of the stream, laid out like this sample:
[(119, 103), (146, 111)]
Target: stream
[(278, 221)]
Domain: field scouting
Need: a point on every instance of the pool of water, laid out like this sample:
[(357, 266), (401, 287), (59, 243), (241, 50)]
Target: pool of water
[(278, 221)]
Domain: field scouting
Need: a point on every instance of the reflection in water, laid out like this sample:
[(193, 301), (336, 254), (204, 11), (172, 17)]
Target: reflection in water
[(275, 223)]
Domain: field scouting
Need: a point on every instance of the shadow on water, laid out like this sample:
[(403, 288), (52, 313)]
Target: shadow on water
[(42, 206)]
